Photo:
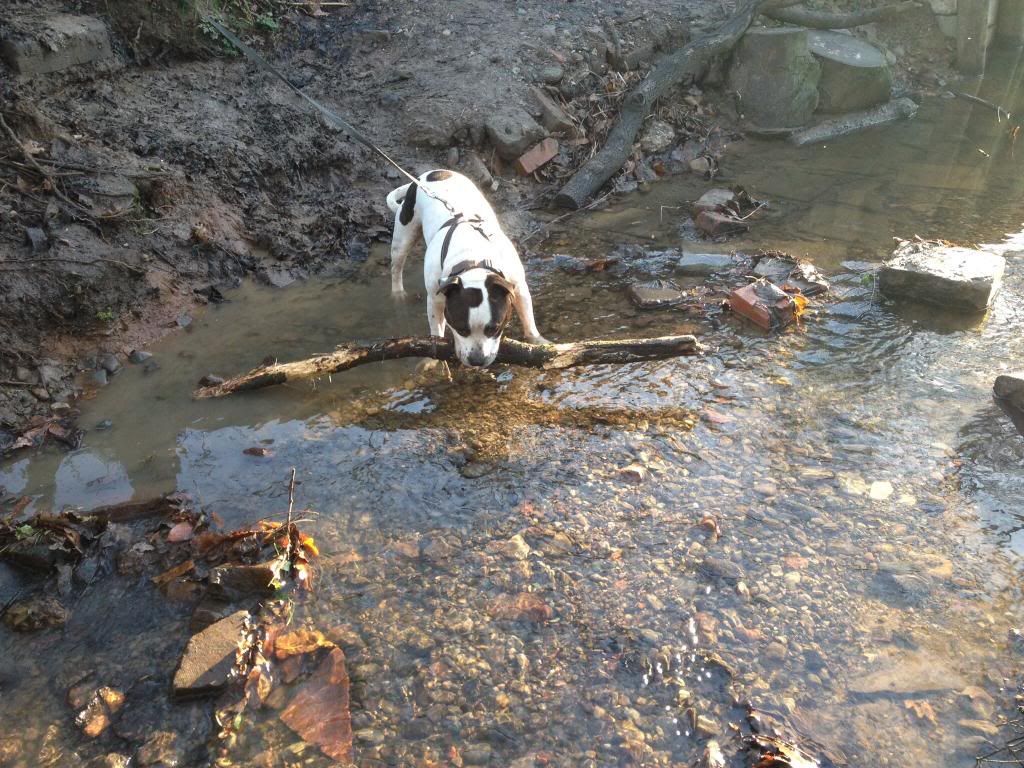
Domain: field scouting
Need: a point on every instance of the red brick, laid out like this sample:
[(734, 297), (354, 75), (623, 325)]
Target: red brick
[(765, 304), (536, 156)]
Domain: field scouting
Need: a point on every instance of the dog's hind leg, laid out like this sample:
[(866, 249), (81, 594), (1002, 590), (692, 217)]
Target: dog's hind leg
[(403, 239)]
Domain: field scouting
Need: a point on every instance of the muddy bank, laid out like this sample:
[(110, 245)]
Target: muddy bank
[(166, 171)]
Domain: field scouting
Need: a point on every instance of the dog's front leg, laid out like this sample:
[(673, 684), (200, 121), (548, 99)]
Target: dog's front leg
[(524, 308), (435, 315)]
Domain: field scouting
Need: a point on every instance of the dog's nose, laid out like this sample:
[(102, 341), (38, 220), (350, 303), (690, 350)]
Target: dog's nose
[(476, 359)]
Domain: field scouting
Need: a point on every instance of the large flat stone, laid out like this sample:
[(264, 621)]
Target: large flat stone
[(701, 264), (948, 276), (209, 657), (1010, 388), (60, 42)]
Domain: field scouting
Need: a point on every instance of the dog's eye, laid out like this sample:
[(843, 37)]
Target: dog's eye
[(491, 329)]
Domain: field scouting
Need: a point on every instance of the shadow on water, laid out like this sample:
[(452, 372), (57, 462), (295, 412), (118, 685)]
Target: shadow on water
[(866, 488)]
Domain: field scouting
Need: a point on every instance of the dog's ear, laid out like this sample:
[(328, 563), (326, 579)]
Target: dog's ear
[(499, 283), (449, 286)]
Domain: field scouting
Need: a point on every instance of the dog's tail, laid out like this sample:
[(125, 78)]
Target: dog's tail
[(396, 197)]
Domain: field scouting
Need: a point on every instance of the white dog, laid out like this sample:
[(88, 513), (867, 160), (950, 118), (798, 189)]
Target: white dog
[(471, 271)]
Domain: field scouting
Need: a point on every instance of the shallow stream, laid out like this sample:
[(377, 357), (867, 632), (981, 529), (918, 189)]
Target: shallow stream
[(867, 489)]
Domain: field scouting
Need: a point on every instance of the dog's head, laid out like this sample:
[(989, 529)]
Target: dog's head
[(478, 306)]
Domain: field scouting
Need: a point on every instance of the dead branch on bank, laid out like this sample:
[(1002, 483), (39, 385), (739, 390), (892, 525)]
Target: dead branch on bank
[(689, 61), (543, 356), (803, 17)]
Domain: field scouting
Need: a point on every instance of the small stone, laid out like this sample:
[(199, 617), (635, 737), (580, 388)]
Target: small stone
[(552, 75), (477, 754), (552, 116), (512, 131), (775, 651), (103, 426), (1009, 387), (656, 294), (184, 320), (657, 136), (100, 377), (209, 658), (139, 356), (703, 264), (720, 568), (792, 579), (452, 157), (110, 363), (161, 749), (715, 224), (37, 239), (880, 490)]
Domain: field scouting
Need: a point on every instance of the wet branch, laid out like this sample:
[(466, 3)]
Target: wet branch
[(803, 17), (544, 356)]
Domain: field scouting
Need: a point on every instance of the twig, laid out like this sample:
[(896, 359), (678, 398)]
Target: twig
[(545, 227), (39, 169), (1000, 111), (288, 525)]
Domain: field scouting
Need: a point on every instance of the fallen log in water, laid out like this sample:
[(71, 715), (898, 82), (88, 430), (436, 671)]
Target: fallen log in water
[(689, 61), (544, 356), (803, 17), (855, 121)]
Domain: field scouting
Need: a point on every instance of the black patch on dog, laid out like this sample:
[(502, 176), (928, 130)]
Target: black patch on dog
[(500, 301), (408, 204), (458, 302), (439, 175)]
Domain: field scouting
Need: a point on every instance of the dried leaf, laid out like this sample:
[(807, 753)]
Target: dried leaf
[(922, 709), (173, 573)]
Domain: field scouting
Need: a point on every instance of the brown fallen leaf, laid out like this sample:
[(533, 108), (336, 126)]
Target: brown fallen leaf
[(319, 712), (922, 709), (300, 641), (173, 573)]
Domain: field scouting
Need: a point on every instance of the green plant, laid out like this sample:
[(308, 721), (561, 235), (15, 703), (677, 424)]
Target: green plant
[(105, 316)]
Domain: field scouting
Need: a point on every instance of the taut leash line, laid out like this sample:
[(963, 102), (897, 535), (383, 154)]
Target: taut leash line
[(330, 115)]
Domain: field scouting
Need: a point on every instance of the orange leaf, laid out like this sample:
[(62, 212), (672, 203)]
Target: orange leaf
[(172, 573)]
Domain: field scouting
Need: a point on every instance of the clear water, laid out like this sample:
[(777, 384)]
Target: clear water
[(851, 592)]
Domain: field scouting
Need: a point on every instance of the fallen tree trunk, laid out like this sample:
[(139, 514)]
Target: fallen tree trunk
[(897, 109), (688, 61), (545, 356), (803, 17)]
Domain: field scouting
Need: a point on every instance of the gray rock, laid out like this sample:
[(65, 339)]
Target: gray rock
[(551, 115), (776, 78), (236, 581), (854, 73), (21, 373), (1010, 388), (110, 363), (512, 131), (948, 276), (552, 75), (657, 136), (720, 568), (656, 294), (139, 356), (702, 264), (100, 377), (60, 42), (209, 657)]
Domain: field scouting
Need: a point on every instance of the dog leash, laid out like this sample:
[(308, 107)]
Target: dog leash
[(330, 115)]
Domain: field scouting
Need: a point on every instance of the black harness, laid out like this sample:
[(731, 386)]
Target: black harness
[(464, 266)]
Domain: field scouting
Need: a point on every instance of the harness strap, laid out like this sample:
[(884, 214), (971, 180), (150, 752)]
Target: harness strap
[(451, 224)]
